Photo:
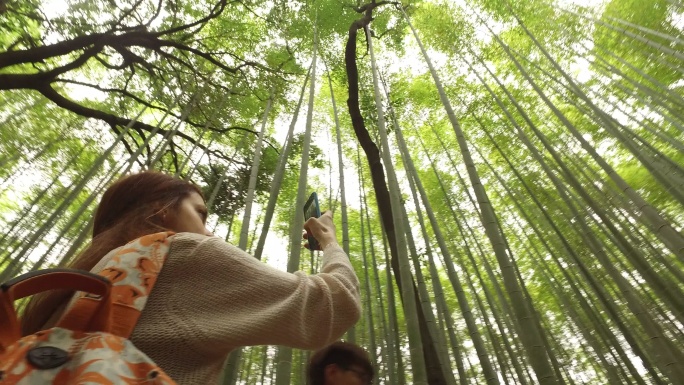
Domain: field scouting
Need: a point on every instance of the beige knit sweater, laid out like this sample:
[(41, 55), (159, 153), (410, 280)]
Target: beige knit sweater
[(212, 297)]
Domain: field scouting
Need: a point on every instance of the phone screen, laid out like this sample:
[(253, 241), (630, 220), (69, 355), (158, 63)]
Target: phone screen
[(312, 210)]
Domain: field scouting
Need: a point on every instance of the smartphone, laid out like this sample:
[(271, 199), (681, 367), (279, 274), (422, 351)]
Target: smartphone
[(312, 210)]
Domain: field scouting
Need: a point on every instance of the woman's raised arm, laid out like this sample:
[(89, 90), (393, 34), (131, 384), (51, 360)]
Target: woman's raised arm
[(226, 298)]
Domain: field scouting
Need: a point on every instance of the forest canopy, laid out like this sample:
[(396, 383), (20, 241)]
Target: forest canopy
[(507, 176)]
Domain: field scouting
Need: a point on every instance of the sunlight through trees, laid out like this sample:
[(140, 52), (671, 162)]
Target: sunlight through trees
[(507, 176)]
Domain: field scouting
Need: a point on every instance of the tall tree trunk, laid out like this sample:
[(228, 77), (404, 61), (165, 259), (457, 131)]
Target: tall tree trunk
[(230, 371), (418, 361), (351, 334), (284, 356), (366, 280), (157, 154), (670, 237), (380, 187), (392, 316), (492, 305), (634, 254), (388, 344), (489, 373), (539, 259), (280, 172), (530, 335), (587, 234), (24, 215), (32, 242)]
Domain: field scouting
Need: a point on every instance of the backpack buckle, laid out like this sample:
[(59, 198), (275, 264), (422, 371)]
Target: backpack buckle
[(47, 357)]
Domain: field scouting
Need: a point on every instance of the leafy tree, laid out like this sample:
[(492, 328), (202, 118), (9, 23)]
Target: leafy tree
[(514, 209)]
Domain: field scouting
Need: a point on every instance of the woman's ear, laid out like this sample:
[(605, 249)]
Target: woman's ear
[(160, 214), (166, 217)]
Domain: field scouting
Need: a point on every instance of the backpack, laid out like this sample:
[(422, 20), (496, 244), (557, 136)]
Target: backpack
[(89, 344)]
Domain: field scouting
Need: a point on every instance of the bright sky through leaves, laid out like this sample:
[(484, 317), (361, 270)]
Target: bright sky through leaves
[(556, 188)]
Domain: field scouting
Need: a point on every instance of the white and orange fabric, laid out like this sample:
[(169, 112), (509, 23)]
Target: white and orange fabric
[(89, 345)]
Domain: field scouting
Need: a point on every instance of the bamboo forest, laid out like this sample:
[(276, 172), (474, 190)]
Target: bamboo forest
[(507, 176)]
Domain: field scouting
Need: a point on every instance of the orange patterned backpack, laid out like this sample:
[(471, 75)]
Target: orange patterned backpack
[(90, 343)]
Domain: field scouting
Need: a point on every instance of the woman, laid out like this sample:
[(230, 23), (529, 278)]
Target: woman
[(210, 296)]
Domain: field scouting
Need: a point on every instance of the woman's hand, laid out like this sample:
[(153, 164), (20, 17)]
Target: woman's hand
[(322, 228)]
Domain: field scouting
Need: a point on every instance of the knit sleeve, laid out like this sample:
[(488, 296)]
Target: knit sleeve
[(228, 299)]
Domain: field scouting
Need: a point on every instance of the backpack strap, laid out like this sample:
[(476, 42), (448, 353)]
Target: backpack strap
[(133, 271), (49, 279)]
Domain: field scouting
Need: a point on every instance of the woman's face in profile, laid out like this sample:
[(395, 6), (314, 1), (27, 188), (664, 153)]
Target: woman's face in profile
[(190, 216)]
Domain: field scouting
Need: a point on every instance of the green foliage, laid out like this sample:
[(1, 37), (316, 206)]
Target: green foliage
[(19, 32), (210, 82), (233, 188), (443, 28), (652, 15)]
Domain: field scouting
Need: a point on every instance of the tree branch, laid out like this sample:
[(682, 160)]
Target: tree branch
[(34, 81), (111, 119), (39, 54), (216, 12), (435, 375), (124, 16)]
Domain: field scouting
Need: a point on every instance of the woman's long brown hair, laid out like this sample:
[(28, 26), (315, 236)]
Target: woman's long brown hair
[(129, 209)]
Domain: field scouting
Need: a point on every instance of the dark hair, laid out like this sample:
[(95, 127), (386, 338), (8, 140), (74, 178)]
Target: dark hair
[(343, 354), (128, 210)]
